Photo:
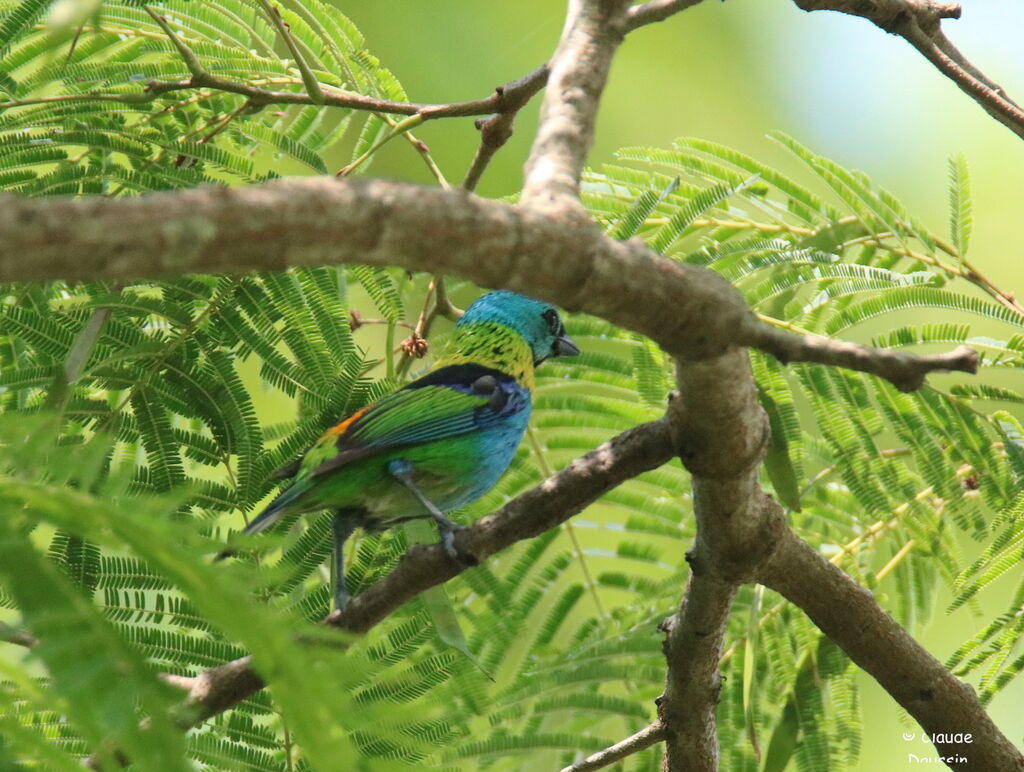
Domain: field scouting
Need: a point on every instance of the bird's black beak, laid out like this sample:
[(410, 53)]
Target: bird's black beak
[(564, 347)]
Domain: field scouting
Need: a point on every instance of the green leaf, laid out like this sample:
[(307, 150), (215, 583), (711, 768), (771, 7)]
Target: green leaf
[(783, 742), (99, 674), (27, 13), (777, 462), (961, 216), (641, 209)]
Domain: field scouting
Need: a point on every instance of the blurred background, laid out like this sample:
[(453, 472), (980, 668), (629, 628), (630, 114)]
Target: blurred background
[(730, 72)]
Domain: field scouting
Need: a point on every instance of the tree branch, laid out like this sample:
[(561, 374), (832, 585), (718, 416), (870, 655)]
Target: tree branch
[(692, 312), (905, 372), (655, 11), (693, 649), (309, 80), (742, 536), (720, 433), (945, 707), (645, 738), (579, 71), (9, 634), (919, 23), (538, 510)]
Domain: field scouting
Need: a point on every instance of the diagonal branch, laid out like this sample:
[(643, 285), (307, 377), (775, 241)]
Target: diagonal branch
[(946, 708), (919, 23), (538, 510), (504, 100), (10, 634), (645, 738), (309, 80)]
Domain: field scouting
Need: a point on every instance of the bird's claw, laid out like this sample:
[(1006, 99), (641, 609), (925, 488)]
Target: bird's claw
[(448, 540), (341, 600)]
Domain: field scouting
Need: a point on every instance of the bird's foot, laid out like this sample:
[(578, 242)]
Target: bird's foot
[(341, 599), (448, 529)]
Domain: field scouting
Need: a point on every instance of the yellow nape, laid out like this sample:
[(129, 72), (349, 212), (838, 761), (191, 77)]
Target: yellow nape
[(492, 345)]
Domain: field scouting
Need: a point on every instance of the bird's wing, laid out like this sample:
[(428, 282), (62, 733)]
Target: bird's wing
[(449, 401)]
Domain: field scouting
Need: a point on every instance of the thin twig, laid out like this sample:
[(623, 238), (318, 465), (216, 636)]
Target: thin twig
[(396, 130), (577, 548), (645, 738), (937, 49), (505, 99), (10, 634), (435, 303), (655, 11), (494, 133), (309, 80), (225, 122), (188, 56)]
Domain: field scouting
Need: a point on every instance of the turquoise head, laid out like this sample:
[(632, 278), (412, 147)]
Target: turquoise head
[(536, 322)]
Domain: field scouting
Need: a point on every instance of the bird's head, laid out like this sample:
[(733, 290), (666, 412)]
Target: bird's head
[(538, 323)]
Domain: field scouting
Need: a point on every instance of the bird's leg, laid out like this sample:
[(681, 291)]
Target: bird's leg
[(401, 470), (342, 525)]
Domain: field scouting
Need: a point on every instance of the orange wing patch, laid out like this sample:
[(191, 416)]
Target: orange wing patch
[(337, 429)]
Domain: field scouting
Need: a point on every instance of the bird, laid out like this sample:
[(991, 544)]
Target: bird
[(437, 443)]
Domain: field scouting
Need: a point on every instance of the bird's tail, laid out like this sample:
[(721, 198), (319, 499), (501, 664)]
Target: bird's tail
[(273, 512)]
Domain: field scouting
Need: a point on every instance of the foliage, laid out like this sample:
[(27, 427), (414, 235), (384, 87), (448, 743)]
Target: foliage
[(142, 422)]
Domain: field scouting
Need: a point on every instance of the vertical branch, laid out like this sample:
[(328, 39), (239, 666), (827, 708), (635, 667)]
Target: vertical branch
[(693, 649), (579, 71), (720, 433)]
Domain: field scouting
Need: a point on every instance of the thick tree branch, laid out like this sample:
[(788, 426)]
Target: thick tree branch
[(579, 71), (538, 510), (693, 313), (720, 433), (693, 649), (645, 738), (945, 707), (919, 23), (742, 536)]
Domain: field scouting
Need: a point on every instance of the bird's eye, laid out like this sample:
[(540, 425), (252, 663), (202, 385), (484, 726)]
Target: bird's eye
[(554, 323)]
